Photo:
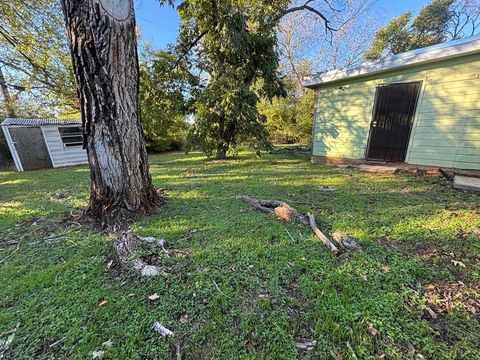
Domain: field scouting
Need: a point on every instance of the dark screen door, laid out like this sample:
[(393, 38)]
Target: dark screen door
[(392, 121)]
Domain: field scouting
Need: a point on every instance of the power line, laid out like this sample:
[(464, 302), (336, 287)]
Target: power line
[(163, 26)]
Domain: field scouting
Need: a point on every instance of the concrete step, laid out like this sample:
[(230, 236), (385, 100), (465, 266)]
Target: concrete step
[(466, 183), (378, 169)]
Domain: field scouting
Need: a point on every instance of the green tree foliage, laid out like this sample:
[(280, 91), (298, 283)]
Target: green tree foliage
[(403, 33), (290, 118), (238, 60), (165, 99), (34, 56)]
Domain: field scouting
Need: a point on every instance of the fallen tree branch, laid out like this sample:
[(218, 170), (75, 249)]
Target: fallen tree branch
[(286, 212), (321, 235)]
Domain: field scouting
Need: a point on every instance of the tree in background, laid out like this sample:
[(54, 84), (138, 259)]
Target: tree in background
[(237, 55), (305, 49), (290, 118), (465, 20), (34, 60), (166, 90), (436, 22), (235, 50)]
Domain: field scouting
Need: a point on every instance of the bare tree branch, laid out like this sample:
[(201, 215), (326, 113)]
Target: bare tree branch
[(307, 7)]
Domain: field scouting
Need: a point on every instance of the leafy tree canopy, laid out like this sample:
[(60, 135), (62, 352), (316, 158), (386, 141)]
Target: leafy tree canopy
[(289, 119), (34, 56), (403, 33), (236, 56), (165, 99)]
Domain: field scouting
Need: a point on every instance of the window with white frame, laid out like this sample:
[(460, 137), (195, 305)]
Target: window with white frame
[(71, 135)]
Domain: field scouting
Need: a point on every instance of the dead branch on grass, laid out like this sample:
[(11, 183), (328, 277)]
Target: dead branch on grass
[(284, 211), (321, 235)]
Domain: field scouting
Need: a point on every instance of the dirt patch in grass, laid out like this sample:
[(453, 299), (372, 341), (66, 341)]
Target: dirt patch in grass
[(446, 297), (388, 243)]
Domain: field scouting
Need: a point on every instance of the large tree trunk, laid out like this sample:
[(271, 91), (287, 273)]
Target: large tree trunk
[(104, 52), (222, 149), (7, 98)]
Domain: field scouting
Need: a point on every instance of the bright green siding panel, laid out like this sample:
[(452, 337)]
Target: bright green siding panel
[(446, 130)]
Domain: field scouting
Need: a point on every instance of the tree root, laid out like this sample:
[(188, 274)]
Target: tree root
[(128, 246), (284, 211), (113, 215)]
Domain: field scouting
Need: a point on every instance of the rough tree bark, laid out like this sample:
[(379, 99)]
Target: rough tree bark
[(7, 98), (10, 112), (103, 47), (222, 149)]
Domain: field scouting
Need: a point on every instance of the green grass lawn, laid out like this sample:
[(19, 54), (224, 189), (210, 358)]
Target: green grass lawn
[(241, 284)]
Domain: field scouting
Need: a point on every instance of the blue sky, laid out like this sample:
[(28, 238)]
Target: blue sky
[(159, 24)]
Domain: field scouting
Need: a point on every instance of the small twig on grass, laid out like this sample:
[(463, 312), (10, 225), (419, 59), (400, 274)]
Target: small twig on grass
[(354, 356), (445, 174), (290, 236), (57, 342), (48, 240), (178, 351), (5, 344), (13, 252), (321, 235)]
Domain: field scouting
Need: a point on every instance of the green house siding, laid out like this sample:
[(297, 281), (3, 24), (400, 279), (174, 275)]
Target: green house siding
[(446, 129)]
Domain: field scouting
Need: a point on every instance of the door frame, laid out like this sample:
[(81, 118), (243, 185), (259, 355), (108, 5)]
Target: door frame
[(393, 81)]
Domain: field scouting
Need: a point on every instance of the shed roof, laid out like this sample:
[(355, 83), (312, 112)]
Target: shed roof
[(429, 54), (40, 122)]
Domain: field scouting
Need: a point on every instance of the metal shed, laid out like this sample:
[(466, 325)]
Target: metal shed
[(421, 107), (44, 143)]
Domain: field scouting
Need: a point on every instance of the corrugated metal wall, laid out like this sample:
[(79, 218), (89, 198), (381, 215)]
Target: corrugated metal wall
[(446, 130), (61, 155)]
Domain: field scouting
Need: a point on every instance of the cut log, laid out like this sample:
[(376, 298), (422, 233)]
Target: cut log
[(330, 246)]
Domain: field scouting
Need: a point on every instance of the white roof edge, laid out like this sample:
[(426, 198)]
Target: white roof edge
[(442, 51)]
